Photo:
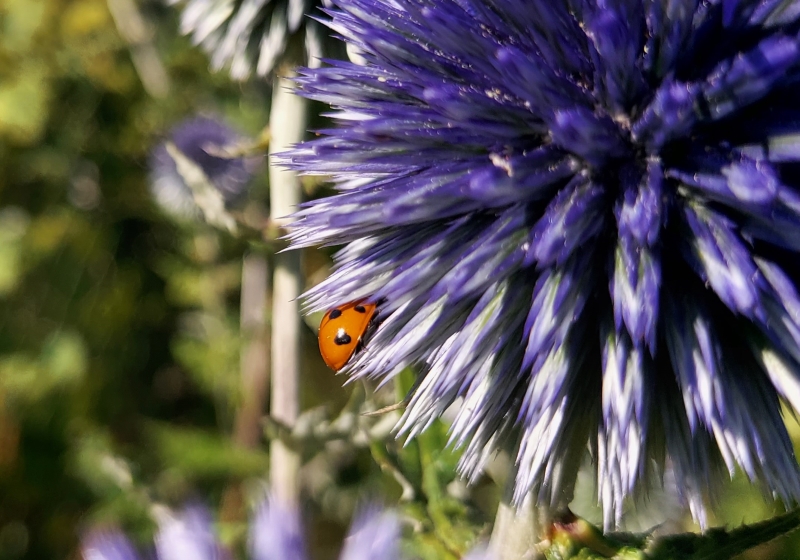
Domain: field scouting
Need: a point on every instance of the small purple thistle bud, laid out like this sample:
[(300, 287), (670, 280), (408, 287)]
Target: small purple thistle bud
[(276, 533), (190, 534), (200, 140), (107, 545)]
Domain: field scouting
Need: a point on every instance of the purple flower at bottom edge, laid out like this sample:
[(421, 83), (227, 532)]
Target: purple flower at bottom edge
[(107, 545), (582, 218), (186, 535), (275, 534)]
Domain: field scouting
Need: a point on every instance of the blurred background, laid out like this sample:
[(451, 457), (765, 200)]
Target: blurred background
[(122, 344)]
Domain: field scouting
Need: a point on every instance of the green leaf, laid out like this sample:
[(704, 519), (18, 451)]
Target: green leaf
[(199, 454), (24, 103), (62, 363), (575, 538), (20, 22), (723, 544)]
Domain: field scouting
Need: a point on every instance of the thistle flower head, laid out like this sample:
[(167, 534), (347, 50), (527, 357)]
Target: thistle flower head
[(190, 534), (200, 140), (582, 219), (276, 534), (247, 35)]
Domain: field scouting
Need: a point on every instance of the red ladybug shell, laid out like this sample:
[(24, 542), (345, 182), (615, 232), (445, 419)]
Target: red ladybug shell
[(341, 330)]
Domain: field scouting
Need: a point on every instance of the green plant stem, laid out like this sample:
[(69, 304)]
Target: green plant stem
[(134, 30), (255, 350), (518, 531), (287, 127)]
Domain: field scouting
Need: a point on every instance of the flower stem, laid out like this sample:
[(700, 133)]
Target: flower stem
[(134, 29), (519, 531), (287, 126), (255, 350)]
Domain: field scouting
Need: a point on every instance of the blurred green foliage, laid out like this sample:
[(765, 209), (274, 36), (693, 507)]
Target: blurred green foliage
[(109, 397), (119, 328)]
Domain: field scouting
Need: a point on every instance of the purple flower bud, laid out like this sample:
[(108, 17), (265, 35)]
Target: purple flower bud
[(201, 141), (107, 545), (275, 534), (374, 534), (189, 534)]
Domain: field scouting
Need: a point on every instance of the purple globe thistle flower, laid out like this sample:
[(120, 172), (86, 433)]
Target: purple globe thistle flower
[(108, 545), (582, 218), (187, 535), (200, 140), (250, 34), (275, 534)]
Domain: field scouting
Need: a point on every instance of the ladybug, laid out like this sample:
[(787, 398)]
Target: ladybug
[(341, 330)]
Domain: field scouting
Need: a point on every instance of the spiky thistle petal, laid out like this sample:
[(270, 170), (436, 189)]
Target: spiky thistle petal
[(250, 35)]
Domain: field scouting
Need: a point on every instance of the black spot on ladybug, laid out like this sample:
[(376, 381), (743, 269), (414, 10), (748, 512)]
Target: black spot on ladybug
[(342, 338), (360, 308), (335, 314)]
